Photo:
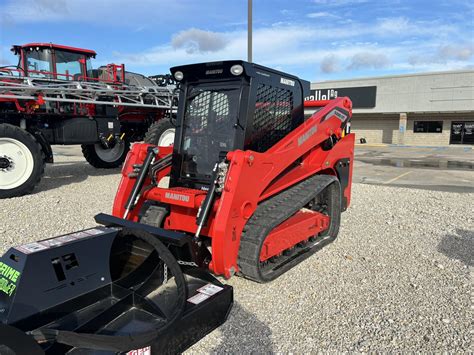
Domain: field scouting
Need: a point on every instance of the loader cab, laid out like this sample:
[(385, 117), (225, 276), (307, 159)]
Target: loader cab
[(53, 61), (224, 106)]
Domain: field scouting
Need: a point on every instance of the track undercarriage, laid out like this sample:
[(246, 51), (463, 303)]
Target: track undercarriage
[(318, 196)]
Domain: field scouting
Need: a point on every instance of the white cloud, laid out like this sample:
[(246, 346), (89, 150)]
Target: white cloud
[(457, 52), (36, 10), (444, 54), (111, 12), (272, 45), (433, 67), (320, 14), (325, 50), (330, 64), (338, 2), (53, 6), (307, 44), (368, 60), (397, 25), (196, 40), (404, 27)]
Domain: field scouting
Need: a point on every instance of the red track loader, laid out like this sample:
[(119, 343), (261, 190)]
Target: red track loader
[(251, 187)]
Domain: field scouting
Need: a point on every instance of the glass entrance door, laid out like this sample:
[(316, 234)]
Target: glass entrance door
[(462, 133)]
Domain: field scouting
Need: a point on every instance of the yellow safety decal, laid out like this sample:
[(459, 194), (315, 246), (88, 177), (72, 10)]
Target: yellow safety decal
[(8, 278)]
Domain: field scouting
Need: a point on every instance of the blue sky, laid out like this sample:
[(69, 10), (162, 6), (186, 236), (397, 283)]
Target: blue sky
[(315, 39)]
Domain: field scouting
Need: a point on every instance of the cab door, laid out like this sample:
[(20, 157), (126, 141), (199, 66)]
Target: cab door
[(69, 65)]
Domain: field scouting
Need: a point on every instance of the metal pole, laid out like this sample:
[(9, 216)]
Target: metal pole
[(249, 32)]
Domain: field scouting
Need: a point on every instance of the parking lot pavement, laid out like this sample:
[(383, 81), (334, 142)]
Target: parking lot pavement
[(431, 168)]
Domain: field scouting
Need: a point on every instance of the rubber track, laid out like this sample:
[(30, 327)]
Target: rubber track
[(270, 214)]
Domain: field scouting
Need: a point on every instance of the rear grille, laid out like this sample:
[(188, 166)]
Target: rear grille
[(272, 119)]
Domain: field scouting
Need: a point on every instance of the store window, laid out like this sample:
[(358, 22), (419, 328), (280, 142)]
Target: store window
[(428, 127)]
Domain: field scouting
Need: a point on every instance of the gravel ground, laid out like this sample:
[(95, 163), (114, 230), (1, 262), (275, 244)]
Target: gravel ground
[(397, 279)]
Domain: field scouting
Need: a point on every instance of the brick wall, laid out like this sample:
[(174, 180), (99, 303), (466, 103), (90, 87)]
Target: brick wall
[(375, 129), (434, 139)]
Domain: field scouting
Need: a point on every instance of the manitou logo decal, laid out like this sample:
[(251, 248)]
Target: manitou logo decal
[(214, 71), (287, 82), (177, 197), (305, 136)]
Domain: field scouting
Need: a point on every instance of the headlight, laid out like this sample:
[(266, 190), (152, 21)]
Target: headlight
[(179, 75), (237, 69)]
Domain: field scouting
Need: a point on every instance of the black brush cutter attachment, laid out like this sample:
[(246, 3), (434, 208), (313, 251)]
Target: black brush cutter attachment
[(106, 290)]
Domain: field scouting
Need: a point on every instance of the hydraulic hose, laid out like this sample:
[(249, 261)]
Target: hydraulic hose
[(206, 206), (137, 186)]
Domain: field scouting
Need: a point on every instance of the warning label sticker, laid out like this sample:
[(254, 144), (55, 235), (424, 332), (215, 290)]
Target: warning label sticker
[(54, 242), (79, 235), (66, 238), (31, 248), (93, 231), (51, 243), (8, 278), (210, 289), (198, 298), (142, 351)]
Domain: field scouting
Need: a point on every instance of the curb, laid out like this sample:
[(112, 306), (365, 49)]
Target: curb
[(371, 145), (434, 147)]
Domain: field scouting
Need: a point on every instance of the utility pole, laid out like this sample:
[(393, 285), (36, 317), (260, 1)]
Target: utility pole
[(249, 32)]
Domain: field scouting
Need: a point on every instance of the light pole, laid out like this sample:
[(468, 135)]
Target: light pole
[(249, 32)]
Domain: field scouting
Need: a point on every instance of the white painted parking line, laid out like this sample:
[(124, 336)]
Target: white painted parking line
[(396, 178)]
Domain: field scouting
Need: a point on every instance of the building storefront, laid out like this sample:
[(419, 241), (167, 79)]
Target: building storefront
[(428, 109)]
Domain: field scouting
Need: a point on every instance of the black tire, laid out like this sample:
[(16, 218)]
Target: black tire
[(156, 130), (12, 134), (92, 153)]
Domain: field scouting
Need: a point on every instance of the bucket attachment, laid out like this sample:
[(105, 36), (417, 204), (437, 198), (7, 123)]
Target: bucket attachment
[(105, 291)]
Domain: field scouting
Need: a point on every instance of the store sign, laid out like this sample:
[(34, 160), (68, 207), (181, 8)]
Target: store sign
[(362, 97)]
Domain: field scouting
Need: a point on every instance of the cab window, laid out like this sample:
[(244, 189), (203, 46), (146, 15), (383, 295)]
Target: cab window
[(39, 64), (68, 65)]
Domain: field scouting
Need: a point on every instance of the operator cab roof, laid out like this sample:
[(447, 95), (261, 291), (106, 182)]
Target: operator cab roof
[(16, 48), (225, 70)]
